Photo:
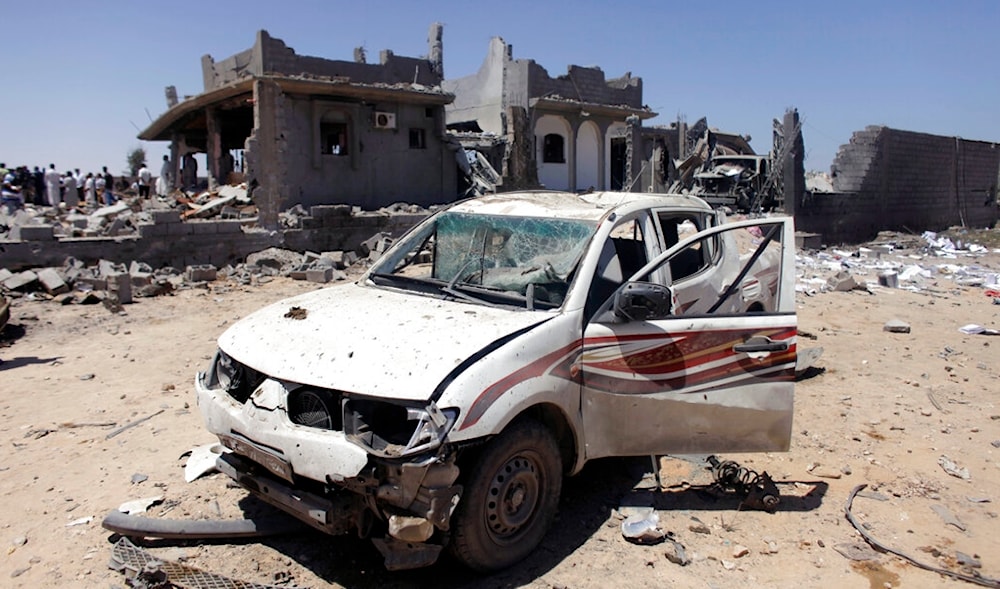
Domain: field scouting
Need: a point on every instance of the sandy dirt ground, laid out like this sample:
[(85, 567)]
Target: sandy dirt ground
[(887, 410)]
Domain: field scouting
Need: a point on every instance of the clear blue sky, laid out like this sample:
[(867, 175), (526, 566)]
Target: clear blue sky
[(81, 77)]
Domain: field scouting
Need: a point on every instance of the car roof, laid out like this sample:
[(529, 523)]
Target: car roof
[(592, 206)]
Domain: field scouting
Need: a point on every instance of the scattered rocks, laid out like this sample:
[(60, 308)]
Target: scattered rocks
[(896, 326), (953, 469)]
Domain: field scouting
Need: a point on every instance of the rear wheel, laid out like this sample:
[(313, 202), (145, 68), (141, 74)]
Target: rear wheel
[(510, 498)]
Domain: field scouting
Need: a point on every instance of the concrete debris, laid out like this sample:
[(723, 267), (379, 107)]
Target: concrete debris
[(896, 326), (140, 505), (950, 467), (895, 261)]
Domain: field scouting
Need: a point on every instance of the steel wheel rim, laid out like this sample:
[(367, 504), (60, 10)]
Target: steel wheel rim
[(513, 497)]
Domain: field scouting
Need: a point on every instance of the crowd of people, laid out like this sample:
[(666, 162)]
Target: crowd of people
[(73, 190)]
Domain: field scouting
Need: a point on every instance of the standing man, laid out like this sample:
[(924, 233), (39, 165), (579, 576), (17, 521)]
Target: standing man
[(52, 186), (165, 183), (109, 186), (10, 195), (72, 195), (38, 181), (145, 178)]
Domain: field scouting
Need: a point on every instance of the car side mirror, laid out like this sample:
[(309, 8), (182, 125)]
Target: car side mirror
[(643, 301)]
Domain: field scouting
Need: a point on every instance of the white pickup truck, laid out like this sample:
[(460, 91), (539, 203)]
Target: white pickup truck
[(499, 345)]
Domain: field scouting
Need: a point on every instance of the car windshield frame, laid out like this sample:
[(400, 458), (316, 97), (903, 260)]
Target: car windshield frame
[(495, 259)]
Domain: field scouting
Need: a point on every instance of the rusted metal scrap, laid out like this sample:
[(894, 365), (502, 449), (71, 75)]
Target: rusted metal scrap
[(759, 490), (142, 569)]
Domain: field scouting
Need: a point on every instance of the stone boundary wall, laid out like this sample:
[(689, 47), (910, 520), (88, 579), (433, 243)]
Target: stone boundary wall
[(168, 241), (887, 179)]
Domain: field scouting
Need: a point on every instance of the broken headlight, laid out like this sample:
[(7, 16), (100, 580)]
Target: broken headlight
[(394, 430), (236, 378)]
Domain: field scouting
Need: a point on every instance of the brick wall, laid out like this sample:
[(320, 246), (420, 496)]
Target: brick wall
[(586, 84), (887, 179)]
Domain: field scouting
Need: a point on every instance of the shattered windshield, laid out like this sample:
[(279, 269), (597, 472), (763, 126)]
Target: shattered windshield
[(529, 260)]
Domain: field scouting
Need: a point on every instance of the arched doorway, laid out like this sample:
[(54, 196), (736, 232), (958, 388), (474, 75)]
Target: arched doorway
[(551, 152)]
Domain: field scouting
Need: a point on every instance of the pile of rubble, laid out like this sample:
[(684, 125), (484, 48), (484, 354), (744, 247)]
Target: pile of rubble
[(39, 223), (893, 260), (114, 284)]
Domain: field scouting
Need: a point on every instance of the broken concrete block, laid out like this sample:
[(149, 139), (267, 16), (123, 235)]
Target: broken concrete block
[(105, 268), (889, 279), (371, 244), (322, 275), (77, 220), (5, 274), (21, 280), (298, 274), (33, 233), (201, 273), (51, 281), (116, 227), (350, 258), (336, 258), (841, 282), (108, 211), (165, 216), (140, 279), (120, 285), (139, 267), (896, 326), (93, 282)]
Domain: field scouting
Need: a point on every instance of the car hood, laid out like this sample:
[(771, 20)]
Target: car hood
[(368, 340)]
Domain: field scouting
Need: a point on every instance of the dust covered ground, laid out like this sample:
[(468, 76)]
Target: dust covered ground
[(888, 410)]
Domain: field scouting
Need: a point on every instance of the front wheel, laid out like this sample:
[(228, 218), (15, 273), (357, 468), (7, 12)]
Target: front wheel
[(510, 499)]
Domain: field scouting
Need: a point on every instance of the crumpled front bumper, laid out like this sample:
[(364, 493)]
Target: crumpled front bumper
[(264, 434)]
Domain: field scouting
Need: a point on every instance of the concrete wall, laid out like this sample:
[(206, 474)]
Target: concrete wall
[(380, 167), (480, 97), (887, 179), (171, 242), (271, 56), (586, 84)]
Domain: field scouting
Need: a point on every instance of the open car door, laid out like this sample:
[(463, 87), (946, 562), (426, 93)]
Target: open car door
[(664, 380)]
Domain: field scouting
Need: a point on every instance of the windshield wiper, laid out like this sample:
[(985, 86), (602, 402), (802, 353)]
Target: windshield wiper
[(450, 287)]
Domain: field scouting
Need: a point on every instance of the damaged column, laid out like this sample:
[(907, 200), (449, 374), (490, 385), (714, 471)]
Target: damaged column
[(213, 148)]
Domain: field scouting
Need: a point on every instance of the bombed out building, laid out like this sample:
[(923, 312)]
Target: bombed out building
[(313, 131), (568, 132)]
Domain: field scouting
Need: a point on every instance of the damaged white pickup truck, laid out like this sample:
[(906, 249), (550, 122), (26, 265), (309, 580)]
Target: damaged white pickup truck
[(498, 346)]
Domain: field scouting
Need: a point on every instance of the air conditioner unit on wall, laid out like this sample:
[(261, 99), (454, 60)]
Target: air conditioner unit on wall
[(385, 120)]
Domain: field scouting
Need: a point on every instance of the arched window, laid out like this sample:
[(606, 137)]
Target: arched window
[(554, 149)]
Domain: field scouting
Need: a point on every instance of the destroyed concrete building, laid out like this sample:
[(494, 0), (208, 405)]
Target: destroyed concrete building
[(889, 179), (567, 132), (721, 167), (315, 131)]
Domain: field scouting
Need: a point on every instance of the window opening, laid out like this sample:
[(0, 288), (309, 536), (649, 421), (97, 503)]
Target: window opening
[(334, 137), (553, 149), (418, 139)]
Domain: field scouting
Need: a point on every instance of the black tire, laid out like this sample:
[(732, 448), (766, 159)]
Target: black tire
[(511, 496)]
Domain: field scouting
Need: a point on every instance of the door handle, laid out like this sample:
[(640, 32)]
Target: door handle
[(760, 343)]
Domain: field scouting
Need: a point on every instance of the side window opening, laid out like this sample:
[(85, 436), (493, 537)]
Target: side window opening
[(692, 259), (623, 254)]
